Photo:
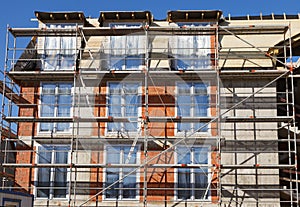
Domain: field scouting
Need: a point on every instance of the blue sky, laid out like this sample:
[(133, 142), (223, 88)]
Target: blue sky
[(17, 13)]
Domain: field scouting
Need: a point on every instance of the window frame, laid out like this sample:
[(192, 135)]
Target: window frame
[(54, 128), (125, 24), (192, 179), (52, 173), (193, 24), (192, 132), (121, 172), (123, 95), (59, 55), (127, 57), (192, 61)]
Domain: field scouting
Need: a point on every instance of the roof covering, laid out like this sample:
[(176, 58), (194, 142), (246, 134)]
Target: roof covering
[(60, 17), (281, 47), (264, 17), (125, 16), (194, 16)]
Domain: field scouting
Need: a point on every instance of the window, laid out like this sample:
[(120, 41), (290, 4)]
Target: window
[(192, 24), (123, 62), (56, 101), (126, 52), (126, 25), (190, 52), (192, 101), (59, 51), (124, 187), (52, 182), (124, 102), (192, 183)]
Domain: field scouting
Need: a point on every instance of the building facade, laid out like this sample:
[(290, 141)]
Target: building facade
[(124, 110)]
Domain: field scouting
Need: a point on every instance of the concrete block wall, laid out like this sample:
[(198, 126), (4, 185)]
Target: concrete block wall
[(240, 149)]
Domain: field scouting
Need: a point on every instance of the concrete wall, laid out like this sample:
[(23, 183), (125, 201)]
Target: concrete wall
[(239, 148), (241, 47)]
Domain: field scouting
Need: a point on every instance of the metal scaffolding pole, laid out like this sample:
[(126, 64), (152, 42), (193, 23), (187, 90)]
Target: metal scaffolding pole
[(3, 108), (180, 140), (146, 121), (218, 110), (76, 123), (293, 123), (218, 119), (74, 153)]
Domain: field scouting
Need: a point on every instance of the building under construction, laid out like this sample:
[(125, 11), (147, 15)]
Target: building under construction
[(194, 110)]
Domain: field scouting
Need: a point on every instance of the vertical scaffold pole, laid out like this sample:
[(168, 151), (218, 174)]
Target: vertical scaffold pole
[(293, 122), (217, 47), (3, 102), (146, 119)]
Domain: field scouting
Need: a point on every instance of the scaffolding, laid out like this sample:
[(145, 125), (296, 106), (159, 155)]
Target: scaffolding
[(249, 135)]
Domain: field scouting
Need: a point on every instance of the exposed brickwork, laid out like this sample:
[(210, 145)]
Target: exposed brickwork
[(96, 175), (158, 177), (23, 175), (29, 92), (215, 159)]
